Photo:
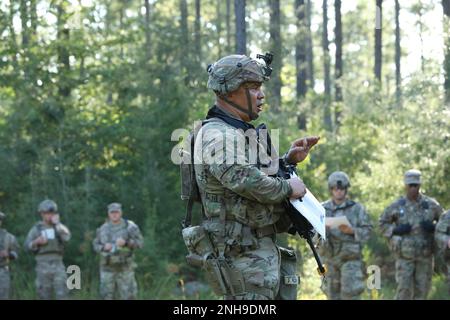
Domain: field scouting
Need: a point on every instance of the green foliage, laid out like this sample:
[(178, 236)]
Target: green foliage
[(87, 108)]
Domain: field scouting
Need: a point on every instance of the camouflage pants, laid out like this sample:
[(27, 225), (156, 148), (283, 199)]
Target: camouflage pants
[(448, 277), (4, 283), (51, 278), (344, 281), (121, 281), (260, 269), (413, 278)]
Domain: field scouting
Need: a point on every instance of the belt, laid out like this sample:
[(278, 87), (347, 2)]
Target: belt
[(257, 232), (264, 231)]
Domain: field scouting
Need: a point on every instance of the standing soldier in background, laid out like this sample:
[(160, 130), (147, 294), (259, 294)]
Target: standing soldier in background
[(8, 252), (342, 252), (408, 223), (442, 237), (116, 241), (46, 240)]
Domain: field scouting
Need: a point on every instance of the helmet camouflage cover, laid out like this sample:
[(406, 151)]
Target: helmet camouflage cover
[(48, 206), (227, 74), (338, 178)]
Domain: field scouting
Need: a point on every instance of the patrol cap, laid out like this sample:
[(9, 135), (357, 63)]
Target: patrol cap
[(112, 207), (48, 206), (2, 216), (412, 177)]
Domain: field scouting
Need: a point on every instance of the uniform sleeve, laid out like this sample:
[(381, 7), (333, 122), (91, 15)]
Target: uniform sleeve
[(437, 211), (364, 228), (387, 221), (235, 173), (32, 235), (97, 245), (63, 232), (442, 235), (13, 247), (136, 240)]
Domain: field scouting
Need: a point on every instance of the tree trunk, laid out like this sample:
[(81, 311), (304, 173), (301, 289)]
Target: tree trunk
[(197, 31), (378, 50), (227, 18), (326, 67), (300, 60), (33, 17), (338, 57), (446, 7), (398, 54), (241, 36), (24, 22), (184, 38), (275, 48), (63, 37), (309, 52), (219, 26), (148, 38)]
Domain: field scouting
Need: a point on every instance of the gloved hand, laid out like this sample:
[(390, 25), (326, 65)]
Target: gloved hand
[(402, 229), (427, 226)]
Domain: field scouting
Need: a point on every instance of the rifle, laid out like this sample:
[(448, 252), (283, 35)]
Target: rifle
[(300, 225)]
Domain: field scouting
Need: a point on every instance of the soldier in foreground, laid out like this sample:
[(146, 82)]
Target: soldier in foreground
[(409, 224), (8, 252), (46, 240), (442, 237), (116, 241), (242, 204), (342, 252)]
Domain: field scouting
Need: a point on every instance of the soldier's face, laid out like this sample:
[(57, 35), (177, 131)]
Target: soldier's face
[(256, 97), (47, 217), (338, 194), (412, 190), (115, 216)]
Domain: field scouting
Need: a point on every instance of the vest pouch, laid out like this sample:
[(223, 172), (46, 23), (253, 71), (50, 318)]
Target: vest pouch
[(197, 241), (289, 280)]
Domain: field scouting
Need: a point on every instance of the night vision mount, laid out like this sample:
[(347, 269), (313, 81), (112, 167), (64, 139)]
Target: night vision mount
[(267, 57)]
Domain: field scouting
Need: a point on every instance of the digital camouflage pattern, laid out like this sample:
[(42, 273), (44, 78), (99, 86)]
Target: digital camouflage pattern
[(51, 277), (413, 251), (342, 253), (9, 244), (117, 267), (442, 237), (248, 200)]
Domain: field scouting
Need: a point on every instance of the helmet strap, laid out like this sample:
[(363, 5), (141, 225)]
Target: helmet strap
[(249, 111)]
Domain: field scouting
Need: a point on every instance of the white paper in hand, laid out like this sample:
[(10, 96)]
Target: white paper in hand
[(312, 210)]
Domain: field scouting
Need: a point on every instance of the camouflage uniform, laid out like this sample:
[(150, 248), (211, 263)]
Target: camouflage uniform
[(442, 237), (9, 243), (241, 202), (51, 276), (413, 250), (342, 253), (117, 267)]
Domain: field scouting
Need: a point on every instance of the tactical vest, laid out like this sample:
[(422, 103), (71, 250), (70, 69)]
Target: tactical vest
[(53, 246), (3, 246), (345, 248), (109, 234)]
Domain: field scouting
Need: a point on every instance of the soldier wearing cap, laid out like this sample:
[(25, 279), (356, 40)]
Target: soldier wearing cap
[(116, 241), (442, 237), (8, 252), (242, 204), (342, 251), (46, 240), (409, 225)]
